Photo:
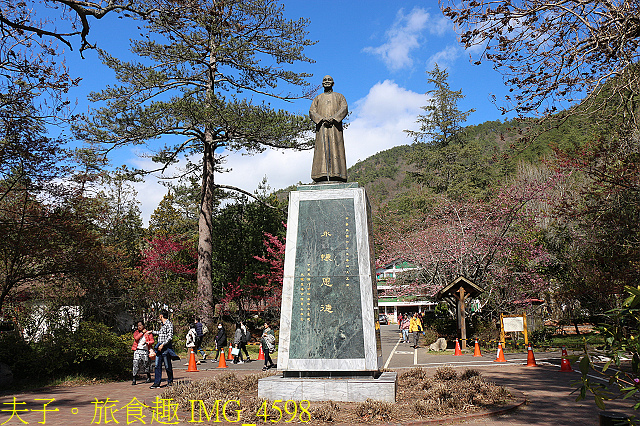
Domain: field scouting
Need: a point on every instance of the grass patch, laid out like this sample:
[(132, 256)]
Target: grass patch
[(574, 341), (553, 343)]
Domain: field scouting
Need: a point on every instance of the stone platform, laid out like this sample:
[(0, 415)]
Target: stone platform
[(343, 389)]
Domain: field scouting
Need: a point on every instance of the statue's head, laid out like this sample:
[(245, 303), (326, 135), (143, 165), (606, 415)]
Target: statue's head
[(327, 81)]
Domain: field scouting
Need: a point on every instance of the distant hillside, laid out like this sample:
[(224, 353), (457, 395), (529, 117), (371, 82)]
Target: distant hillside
[(490, 154), (384, 175)]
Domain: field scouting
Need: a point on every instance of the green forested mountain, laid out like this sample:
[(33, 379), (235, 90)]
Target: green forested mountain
[(489, 154)]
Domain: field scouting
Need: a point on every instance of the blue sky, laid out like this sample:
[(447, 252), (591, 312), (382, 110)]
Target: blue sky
[(376, 51)]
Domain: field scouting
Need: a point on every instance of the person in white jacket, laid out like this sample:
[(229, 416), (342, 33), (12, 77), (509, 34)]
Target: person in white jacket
[(191, 340)]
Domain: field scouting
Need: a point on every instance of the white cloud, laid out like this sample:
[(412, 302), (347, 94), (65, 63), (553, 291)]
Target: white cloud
[(405, 35), (402, 38), (380, 120), (376, 124), (440, 26), (150, 190), (445, 58)]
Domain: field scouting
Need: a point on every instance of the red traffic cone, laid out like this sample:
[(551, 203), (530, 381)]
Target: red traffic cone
[(192, 363), (565, 365), (223, 362), (230, 357), (457, 352), (476, 350), (261, 354), (500, 356), (531, 360), (564, 351)]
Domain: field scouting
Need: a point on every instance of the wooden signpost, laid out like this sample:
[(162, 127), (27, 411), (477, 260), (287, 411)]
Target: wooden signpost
[(456, 294)]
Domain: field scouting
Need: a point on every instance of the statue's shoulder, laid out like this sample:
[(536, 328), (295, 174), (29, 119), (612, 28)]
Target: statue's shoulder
[(340, 96)]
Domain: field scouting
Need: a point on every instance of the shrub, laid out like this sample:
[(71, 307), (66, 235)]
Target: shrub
[(91, 350), (412, 377), (225, 386), (94, 349), (468, 374), (542, 335), (487, 331), (444, 374), (326, 412), (430, 336), (374, 410), (448, 393)]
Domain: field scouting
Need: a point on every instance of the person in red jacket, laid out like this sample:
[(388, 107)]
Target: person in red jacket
[(142, 342)]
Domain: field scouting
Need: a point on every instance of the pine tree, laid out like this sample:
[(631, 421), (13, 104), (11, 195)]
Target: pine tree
[(442, 123), (198, 58)]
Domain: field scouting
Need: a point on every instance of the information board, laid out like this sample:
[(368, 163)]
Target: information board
[(513, 324)]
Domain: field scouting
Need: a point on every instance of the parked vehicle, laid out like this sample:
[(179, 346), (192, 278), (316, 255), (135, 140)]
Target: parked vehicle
[(383, 320)]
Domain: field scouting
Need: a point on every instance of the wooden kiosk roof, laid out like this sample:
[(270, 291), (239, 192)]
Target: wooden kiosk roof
[(470, 288)]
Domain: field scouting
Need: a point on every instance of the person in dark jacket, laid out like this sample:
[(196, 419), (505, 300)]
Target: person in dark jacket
[(199, 337), (246, 336), (221, 340), (237, 342)]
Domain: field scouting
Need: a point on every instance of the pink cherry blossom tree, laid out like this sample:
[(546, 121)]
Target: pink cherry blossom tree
[(492, 243)]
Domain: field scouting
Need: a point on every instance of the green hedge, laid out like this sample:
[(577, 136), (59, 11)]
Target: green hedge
[(92, 350)]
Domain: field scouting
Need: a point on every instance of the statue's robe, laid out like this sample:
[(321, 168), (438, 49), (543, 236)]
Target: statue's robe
[(328, 157)]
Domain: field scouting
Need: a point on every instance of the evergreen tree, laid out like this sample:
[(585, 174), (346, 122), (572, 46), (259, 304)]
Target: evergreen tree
[(199, 56), (441, 153), (442, 123)]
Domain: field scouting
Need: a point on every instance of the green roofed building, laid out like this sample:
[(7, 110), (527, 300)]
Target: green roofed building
[(391, 304)]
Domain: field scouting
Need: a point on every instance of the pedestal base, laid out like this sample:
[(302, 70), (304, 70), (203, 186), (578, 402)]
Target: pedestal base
[(347, 389)]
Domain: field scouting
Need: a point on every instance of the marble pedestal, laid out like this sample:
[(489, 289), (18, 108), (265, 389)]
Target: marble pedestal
[(346, 389), (329, 317)]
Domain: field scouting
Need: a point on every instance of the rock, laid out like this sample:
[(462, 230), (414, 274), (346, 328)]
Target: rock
[(439, 345), (6, 376)]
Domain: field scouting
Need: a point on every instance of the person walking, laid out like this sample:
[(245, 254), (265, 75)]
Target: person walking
[(142, 342), (268, 342), (237, 339), (246, 336), (405, 328), (164, 352), (415, 327), (191, 339), (220, 341), (201, 330)]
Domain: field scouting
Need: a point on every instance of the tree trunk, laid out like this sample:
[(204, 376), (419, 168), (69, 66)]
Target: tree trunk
[(205, 237), (575, 325), (205, 289)]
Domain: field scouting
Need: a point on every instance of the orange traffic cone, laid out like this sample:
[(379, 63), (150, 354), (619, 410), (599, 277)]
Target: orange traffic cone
[(476, 350), (531, 360), (192, 363), (457, 352), (223, 362), (500, 356), (261, 354), (565, 366), (230, 357)]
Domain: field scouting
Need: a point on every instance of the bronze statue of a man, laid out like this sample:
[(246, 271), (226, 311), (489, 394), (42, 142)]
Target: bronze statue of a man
[(327, 110)]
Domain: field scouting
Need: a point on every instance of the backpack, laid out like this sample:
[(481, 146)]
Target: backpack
[(245, 337)]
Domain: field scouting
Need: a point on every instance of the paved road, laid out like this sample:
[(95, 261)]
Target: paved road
[(549, 392), (401, 355)]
